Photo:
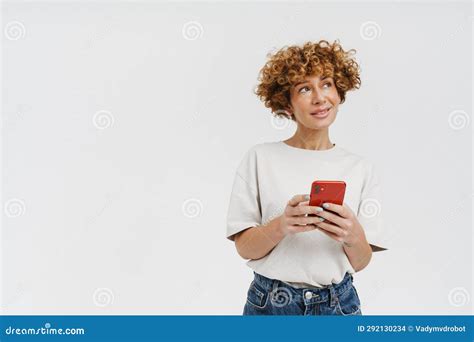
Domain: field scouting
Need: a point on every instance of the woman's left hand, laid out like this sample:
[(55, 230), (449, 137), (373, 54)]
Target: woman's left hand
[(340, 224)]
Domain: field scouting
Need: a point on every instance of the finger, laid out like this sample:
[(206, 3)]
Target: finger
[(342, 210), (332, 218), (303, 220), (299, 209), (297, 199), (332, 229), (304, 209), (331, 235), (301, 229)]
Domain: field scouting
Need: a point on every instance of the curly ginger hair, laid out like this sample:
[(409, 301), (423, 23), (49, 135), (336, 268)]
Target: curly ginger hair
[(291, 64)]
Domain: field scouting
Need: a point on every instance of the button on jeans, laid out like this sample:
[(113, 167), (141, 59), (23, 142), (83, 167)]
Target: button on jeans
[(267, 296)]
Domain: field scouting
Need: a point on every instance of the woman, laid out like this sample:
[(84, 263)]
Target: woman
[(303, 257)]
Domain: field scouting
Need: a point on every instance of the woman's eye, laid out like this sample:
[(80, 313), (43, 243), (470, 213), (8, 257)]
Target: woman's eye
[(328, 84)]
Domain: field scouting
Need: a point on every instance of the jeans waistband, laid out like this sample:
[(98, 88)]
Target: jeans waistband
[(309, 295)]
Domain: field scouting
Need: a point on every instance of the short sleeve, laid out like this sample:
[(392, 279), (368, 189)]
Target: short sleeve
[(244, 207), (369, 212)]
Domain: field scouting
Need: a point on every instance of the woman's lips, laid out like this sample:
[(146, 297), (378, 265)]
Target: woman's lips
[(322, 114)]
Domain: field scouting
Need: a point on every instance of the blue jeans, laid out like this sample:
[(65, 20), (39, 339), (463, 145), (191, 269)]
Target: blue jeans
[(272, 297)]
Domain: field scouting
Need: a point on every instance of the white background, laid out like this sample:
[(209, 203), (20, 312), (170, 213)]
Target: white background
[(123, 124)]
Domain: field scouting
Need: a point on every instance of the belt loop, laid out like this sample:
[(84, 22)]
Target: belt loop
[(274, 285), (332, 294)]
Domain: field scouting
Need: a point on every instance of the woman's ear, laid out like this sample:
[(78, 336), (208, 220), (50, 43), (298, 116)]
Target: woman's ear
[(285, 112)]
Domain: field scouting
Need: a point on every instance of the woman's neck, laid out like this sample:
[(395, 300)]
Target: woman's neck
[(310, 140)]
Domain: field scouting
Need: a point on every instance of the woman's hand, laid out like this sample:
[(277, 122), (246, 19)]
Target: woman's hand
[(340, 224), (295, 218)]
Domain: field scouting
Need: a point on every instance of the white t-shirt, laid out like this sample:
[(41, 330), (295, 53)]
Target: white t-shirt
[(269, 175)]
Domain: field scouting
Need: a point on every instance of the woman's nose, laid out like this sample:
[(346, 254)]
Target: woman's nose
[(318, 97)]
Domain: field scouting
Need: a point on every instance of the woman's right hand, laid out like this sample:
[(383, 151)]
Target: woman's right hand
[(295, 218)]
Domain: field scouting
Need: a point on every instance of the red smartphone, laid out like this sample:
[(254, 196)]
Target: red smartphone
[(323, 191)]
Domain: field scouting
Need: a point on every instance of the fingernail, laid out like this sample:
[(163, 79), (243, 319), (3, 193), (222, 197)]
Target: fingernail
[(306, 197), (326, 205), (319, 209), (321, 219)]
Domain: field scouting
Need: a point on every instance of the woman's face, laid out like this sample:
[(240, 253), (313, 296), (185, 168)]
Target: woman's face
[(311, 96)]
